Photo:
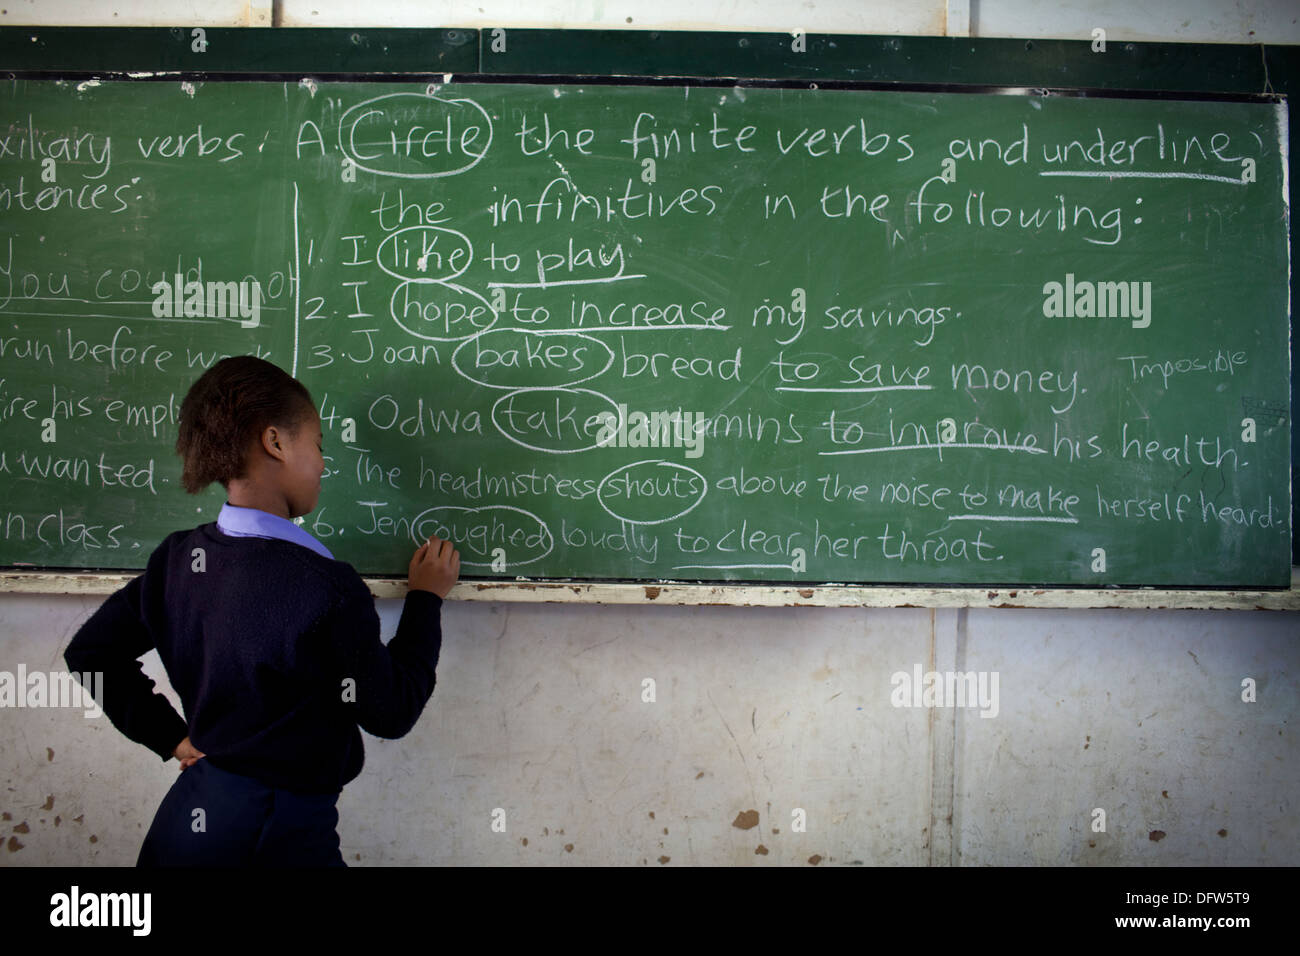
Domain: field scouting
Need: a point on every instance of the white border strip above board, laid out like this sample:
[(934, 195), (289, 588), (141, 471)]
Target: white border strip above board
[(751, 595)]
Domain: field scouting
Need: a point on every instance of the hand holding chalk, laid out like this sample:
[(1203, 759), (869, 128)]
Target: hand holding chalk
[(435, 567)]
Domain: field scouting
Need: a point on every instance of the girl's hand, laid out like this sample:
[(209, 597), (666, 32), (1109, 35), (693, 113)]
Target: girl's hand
[(435, 567), (186, 753)]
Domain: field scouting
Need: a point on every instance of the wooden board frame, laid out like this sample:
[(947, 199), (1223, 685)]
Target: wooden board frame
[(91, 583)]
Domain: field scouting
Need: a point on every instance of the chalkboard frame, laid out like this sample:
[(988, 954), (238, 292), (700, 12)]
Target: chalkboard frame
[(1057, 67)]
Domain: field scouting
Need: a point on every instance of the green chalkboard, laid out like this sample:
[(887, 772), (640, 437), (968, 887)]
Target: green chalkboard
[(664, 332)]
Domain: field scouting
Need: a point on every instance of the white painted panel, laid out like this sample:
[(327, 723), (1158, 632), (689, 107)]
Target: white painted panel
[(1202, 21), (137, 13), (1180, 21)]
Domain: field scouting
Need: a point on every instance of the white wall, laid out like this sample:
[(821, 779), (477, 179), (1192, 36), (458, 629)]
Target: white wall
[(1193, 21), (538, 708)]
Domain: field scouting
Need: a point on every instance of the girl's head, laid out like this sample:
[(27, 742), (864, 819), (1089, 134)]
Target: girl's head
[(248, 422)]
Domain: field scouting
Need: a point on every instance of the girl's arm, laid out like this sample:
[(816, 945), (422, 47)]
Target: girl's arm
[(108, 646), (390, 683)]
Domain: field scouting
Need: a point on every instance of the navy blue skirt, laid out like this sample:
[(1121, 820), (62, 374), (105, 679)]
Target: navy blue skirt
[(243, 822)]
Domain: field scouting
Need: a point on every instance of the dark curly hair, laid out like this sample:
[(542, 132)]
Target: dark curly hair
[(227, 409)]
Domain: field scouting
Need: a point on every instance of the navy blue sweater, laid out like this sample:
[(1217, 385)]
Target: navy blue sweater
[(274, 651)]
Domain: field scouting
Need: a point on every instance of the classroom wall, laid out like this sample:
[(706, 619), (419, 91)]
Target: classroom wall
[(759, 712), (1184, 21)]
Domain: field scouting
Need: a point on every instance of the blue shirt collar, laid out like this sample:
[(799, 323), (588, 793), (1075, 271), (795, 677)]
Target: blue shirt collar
[(255, 523)]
